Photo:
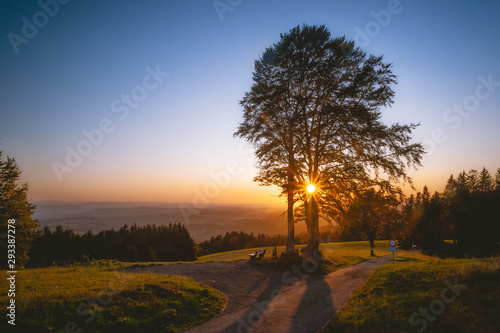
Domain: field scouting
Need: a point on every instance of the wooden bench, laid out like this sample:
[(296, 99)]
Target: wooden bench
[(257, 254)]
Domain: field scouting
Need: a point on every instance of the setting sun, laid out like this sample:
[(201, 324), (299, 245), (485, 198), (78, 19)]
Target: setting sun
[(311, 188)]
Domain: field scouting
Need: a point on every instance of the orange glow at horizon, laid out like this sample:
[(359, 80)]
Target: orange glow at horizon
[(152, 190)]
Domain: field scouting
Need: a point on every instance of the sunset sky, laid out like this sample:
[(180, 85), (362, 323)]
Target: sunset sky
[(156, 85)]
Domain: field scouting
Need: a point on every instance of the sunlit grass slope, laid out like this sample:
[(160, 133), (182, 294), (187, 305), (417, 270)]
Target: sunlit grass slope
[(431, 295), (99, 298), (331, 251), (337, 255)]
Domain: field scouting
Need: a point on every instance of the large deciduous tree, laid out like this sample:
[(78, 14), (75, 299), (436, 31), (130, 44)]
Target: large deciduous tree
[(14, 205), (313, 115)]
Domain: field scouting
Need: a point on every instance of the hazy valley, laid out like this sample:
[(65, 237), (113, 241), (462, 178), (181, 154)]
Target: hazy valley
[(201, 223)]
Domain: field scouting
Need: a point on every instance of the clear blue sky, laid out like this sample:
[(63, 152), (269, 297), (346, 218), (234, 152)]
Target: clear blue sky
[(75, 71)]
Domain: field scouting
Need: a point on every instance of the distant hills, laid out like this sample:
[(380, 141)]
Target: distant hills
[(201, 223)]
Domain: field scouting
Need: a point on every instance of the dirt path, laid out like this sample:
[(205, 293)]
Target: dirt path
[(262, 300)]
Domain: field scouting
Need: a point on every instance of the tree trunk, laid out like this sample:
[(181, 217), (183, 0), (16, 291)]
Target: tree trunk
[(291, 226), (312, 217), (371, 238), (308, 218), (308, 250), (315, 224), (290, 189)]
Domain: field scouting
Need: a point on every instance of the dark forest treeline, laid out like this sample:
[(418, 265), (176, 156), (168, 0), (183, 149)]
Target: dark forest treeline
[(234, 240), (240, 240), (150, 243), (466, 212)]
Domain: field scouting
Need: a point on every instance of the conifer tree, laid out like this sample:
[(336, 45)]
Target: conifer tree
[(15, 207)]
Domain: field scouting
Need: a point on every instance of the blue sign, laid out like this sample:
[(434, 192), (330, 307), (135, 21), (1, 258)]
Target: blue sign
[(392, 249)]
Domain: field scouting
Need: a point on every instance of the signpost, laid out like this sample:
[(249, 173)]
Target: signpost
[(392, 248)]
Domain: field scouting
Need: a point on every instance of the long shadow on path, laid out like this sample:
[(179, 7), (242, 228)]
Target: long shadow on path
[(251, 317), (316, 302), (303, 307), (306, 306)]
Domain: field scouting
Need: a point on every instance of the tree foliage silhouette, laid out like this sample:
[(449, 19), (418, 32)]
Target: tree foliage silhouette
[(373, 214), (465, 212), (14, 204), (170, 242)]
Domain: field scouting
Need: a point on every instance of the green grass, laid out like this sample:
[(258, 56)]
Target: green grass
[(394, 292), (98, 298), (337, 255), (330, 251), (357, 249)]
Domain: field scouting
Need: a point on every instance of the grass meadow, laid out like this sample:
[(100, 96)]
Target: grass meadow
[(337, 255), (336, 250), (426, 294), (100, 298)]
